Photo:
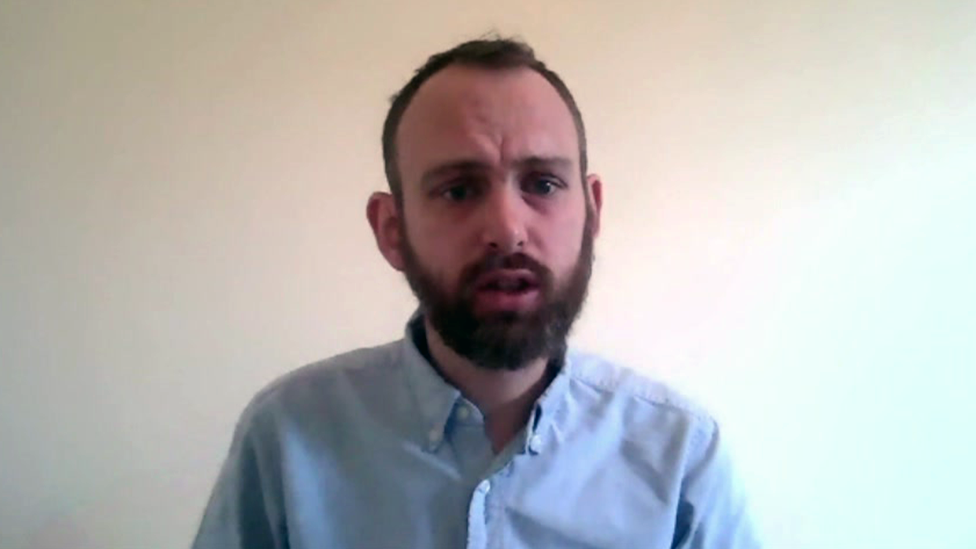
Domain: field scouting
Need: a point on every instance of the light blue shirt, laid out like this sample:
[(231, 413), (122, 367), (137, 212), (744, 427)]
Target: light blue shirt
[(374, 450)]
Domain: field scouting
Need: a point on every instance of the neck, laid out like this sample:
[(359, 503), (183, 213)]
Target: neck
[(505, 397)]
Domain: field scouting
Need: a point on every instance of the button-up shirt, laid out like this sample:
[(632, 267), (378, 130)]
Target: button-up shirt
[(373, 449)]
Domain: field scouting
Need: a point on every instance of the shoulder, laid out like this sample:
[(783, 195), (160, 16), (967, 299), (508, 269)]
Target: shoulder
[(320, 382), (614, 380), (641, 401)]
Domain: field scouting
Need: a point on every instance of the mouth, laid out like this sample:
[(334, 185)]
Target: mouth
[(508, 280), (507, 290)]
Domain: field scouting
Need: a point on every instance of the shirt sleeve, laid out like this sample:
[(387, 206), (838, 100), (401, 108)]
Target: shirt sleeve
[(242, 512), (712, 513)]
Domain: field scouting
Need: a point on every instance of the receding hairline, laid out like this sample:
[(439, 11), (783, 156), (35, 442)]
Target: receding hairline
[(421, 95), (491, 52)]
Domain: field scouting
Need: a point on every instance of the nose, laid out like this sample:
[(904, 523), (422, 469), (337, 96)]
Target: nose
[(503, 221)]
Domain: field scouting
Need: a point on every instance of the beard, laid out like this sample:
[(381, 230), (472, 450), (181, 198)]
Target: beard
[(506, 340)]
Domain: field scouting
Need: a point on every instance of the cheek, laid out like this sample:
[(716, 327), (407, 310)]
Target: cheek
[(562, 241), (438, 251)]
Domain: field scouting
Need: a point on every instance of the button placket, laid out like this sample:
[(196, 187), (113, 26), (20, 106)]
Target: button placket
[(478, 517), (434, 438)]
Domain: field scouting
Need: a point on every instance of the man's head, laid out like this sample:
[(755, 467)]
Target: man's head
[(491, 215)]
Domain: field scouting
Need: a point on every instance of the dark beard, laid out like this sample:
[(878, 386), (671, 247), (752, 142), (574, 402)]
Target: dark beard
[(507, 340)]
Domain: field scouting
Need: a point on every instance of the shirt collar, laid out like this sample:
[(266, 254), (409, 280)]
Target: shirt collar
[(539, 430), (436, 398)]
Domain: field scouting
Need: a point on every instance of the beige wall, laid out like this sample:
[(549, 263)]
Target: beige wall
[(787, 237)]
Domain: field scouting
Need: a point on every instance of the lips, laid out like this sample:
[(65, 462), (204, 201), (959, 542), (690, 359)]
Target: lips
[(507, 280)]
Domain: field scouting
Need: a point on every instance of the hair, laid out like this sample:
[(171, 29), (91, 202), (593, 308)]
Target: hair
[(492, 54)]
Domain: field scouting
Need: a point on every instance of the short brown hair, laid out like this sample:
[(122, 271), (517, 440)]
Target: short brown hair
[(491, 53)]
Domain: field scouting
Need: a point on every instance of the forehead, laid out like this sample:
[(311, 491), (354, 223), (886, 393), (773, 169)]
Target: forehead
[(491, 116)]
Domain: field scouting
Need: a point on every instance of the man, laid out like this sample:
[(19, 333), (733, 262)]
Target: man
[(479, 428)]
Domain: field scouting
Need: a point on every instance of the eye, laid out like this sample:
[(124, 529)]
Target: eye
[(542, 185), (459, 191), (456, 193)]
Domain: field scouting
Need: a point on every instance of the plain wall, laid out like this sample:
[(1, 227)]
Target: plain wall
[(787, 237)]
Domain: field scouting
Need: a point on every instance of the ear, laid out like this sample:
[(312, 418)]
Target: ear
[(383, 217), (594, 189)]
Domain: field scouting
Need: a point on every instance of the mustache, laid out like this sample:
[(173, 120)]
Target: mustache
[(494, 262)]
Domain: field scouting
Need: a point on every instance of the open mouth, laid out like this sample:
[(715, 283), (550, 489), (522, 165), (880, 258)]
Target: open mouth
[(508, 290), (513, 286), (508, 281)]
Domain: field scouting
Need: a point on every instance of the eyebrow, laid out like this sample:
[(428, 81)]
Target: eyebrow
[(439, 171), (552, 162), (470, 165)]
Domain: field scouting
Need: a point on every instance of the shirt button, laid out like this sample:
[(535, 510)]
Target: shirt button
[(463, 412), (434, 436), (535, 444), (484, 486)]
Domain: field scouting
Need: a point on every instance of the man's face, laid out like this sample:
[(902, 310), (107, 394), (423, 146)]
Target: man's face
[(497, 226)]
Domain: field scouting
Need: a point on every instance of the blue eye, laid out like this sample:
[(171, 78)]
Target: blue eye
[(542, 185), (459, 192)]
